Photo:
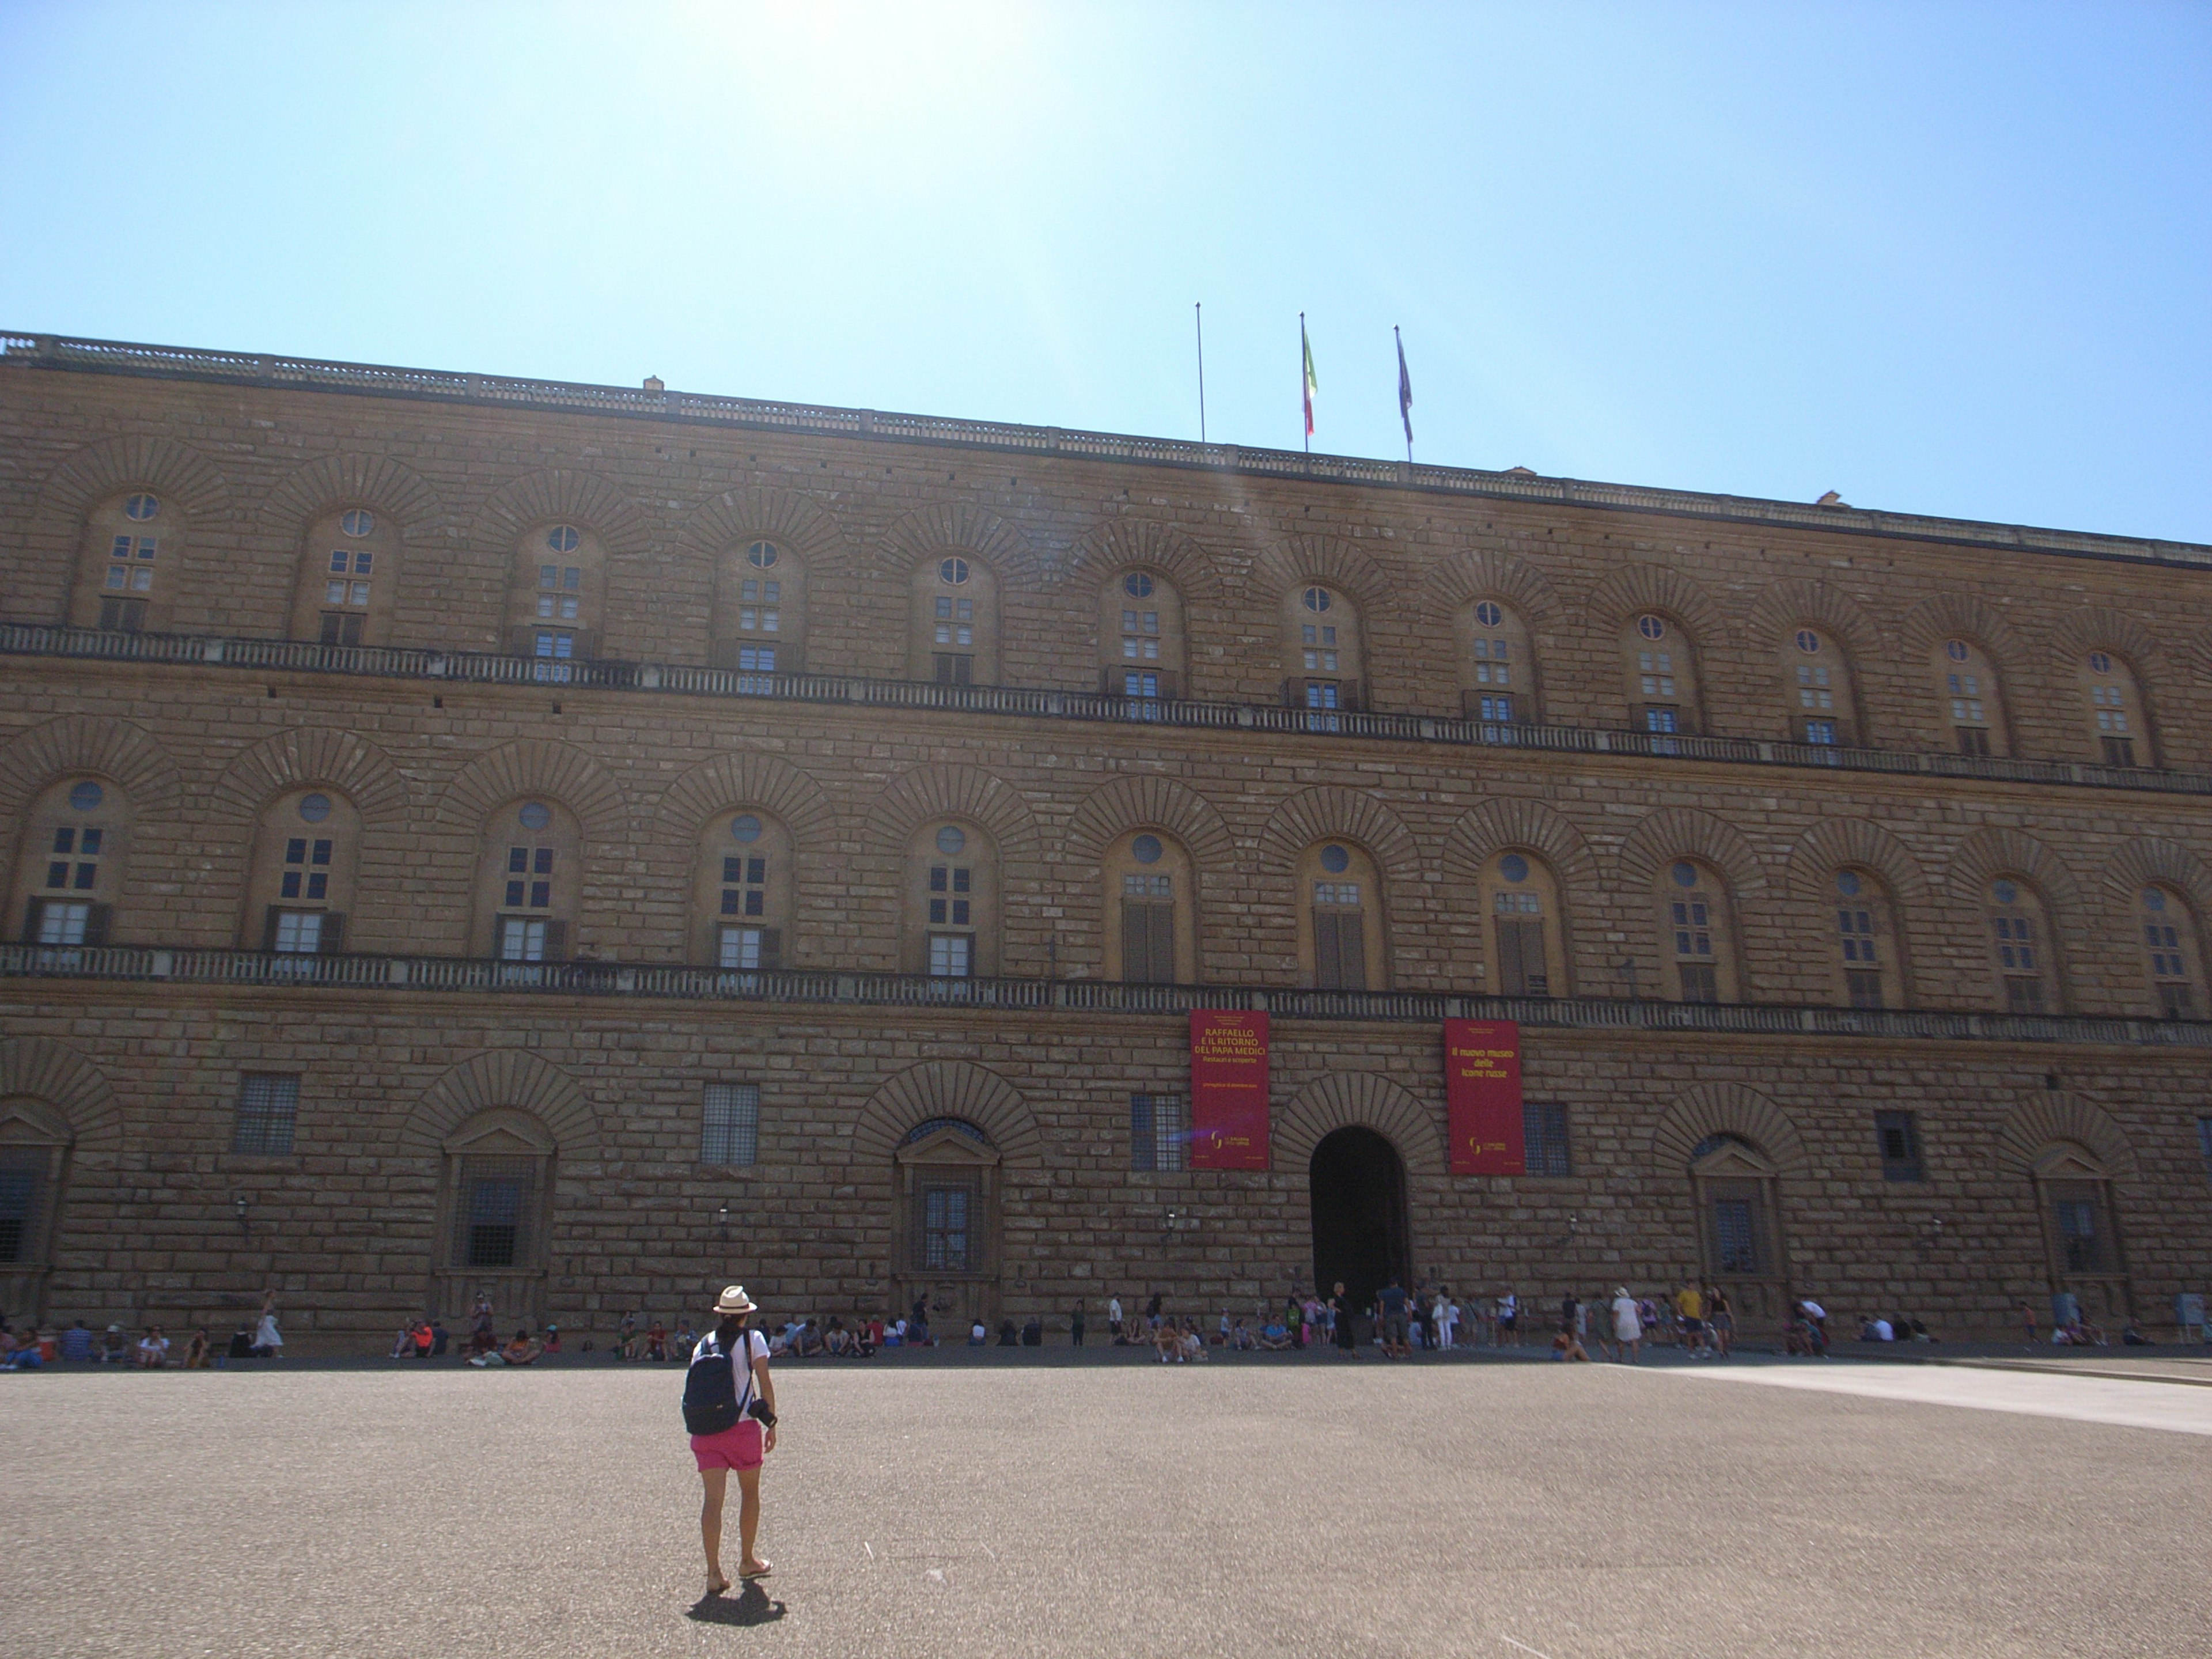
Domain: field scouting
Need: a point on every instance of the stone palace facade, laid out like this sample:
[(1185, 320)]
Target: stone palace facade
[(588, 844)]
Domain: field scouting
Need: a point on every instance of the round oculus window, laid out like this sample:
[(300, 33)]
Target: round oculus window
[(1652, 628), (761, 554), (87, 796), (2154, 899), (1335, 861), (1513, 867), (536, 815), (1488, 614), (1955, 650), (142, 507), (951, 839), (356, 521), (315, 808), (1686, 874), (1316, 599), (562, 538), (1137, 585), (746, 827), (1146, 849), (2100, 663), (1847, 884), (2006, 892), (1808, 642), (952, 571)]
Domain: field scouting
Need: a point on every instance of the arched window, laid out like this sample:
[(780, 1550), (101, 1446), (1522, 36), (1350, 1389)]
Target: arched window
[(2172, 950), (1866, 942), (556, 597), (300, 888), (1151, 928), (1323, 649), (495, 1198), (1662, 675), (127, 564), (2112, 710), (1341, 921), (951, 902), (1497, 665), (1973, 699), (1816, 678), (348, 578), (1529, 956), (1697, 932), (742, 897), (34, 1153), (760, 609), (1141, 636), (2020, 942), (955, 622), (529, 876), (69, 872)]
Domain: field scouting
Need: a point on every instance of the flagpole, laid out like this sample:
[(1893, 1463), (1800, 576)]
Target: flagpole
[(1198, 308), (1306, 415), (1402, 411)]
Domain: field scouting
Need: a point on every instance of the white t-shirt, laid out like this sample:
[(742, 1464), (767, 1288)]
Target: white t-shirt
[(267, 1336), (976, 1333), (1626, 1327), (1114, 1309)]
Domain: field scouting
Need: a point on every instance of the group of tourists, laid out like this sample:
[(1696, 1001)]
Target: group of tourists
[(34, 1348)]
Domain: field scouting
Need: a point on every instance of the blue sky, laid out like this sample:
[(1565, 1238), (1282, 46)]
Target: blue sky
[(1943, 258)]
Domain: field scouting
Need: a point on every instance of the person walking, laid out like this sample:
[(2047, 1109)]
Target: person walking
[(1340, 1320), (1114, 1317), (729, 1404), (1627, 1327), (1075, 1326)]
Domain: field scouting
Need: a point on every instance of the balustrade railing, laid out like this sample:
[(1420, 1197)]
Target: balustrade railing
[(303, 656), (166, 965), (306, 373)]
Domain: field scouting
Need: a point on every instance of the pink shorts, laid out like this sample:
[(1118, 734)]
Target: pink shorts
[(738, 1447)]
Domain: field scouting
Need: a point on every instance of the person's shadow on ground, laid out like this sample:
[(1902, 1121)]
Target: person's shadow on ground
[(751, 1606)]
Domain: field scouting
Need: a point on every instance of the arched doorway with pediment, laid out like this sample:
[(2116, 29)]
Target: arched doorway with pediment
[(1742, 1249), (2081, 1241), (944, 1230)]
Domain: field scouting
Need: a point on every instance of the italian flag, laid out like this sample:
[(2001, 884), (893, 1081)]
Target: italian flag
[(1312, 382)]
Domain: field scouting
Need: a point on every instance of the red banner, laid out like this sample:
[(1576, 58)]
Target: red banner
[(1482, 1097), (1228, 1091)]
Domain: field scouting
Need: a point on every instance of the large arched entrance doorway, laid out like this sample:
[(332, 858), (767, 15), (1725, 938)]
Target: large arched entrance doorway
[(1358, 1196)]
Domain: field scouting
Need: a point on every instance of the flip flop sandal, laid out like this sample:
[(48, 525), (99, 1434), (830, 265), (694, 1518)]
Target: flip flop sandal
[(766, 1568)]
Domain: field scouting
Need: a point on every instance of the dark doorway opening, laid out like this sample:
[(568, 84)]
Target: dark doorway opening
[(1359, 1188)]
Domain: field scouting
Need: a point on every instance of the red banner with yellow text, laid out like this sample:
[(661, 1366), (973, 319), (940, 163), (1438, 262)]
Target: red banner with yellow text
[(1482, 1097), (1228, 1091)]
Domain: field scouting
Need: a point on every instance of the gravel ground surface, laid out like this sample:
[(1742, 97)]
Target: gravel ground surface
[(1113, 1509)]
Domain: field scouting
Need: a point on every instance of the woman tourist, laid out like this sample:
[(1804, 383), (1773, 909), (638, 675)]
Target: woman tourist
[(728, 1380)]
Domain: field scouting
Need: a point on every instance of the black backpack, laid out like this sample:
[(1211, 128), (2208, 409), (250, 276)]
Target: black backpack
[(712, 1399)]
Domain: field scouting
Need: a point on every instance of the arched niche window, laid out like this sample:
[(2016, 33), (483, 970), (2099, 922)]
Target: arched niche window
[(494, 1214), (1140, 636), (951, 902), (127, 564), (2172, 953), (529, 880), (2112, 710), (1736, 1189), (760, 609), (2081, 1238), (1529, 956), (69, 867), (742, 897), (1341, 937), (954, 624), (1497, 665), (1663, 695), (1866, 943), (300, 888), (1973, 701), (349, 579), (557, 598), (1697, 932), (945, 1229), (1816, 679), (35, 1152), (2020, 946), (1151, 919), (1323, 649)]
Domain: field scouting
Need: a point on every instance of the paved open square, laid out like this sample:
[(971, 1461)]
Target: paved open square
[(1291, 1506)]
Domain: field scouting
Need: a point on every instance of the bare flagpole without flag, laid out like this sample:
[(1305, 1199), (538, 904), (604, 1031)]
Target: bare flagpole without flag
[(1198, 308), (1405, 393)]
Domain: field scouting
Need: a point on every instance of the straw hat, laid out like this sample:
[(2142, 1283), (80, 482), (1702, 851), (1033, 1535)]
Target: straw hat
[(733, 1300)]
